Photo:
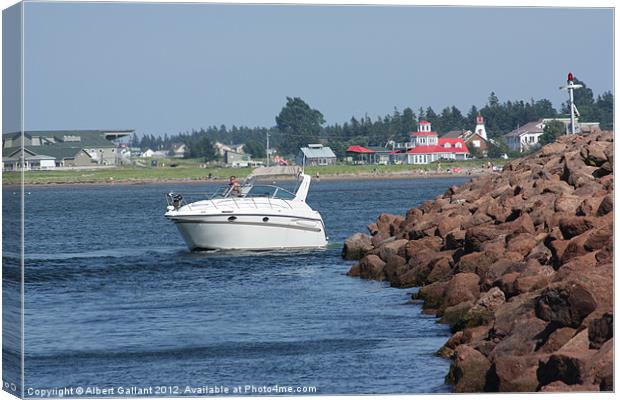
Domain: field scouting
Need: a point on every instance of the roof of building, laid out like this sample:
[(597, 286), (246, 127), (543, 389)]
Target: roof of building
[(359, 149), (57, 152), (530, 127), (379, 149), (83, 133), (453, 134), (90, 138), (424, 122), (440, 147), (318, 152)]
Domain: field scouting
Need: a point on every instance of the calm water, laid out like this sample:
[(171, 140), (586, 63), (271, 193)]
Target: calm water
[(113, 298)]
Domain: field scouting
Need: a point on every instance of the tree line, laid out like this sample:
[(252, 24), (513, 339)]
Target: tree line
[(298, 124)]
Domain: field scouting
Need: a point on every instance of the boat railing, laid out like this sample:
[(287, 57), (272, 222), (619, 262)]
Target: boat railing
[(178, 200)]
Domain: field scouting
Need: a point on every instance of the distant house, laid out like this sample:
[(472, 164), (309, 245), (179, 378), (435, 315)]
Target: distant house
[(56, 157), (428, 147), (67, 147), (178, 150), (237, 160), (222, 148), (315, 154), (148, 153), (527, 136), (473, 140), (369, 155)]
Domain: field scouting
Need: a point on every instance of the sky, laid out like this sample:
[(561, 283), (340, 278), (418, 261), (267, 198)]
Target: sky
[(167, 68)]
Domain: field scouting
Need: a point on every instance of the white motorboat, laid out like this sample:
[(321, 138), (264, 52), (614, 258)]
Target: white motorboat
[(252, 217)]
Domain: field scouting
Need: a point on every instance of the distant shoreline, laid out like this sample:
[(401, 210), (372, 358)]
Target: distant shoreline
[(327, 177)]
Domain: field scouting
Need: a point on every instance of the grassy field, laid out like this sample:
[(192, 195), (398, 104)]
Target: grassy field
[(193, 170)]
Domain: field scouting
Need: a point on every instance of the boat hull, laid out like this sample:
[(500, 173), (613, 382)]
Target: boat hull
[(250, 232)]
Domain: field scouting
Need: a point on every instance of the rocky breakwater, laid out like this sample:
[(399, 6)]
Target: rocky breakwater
[(520, 265)]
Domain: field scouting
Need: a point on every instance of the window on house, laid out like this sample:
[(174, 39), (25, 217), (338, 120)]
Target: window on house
[(446, 145), (459, 145)]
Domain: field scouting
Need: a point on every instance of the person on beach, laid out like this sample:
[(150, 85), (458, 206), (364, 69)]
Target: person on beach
[(234, 186)]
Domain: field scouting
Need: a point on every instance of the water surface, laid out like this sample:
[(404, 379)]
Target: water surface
[(113, 298)]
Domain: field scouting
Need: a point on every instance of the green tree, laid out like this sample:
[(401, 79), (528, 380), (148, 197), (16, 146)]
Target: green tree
[(255, 149), (552, 131), (299, 124), (200, 146)]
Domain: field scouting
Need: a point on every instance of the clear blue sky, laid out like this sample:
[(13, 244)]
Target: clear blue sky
[(165, 68)]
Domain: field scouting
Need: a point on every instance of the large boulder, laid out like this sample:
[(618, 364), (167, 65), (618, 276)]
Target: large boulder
[(566, 304), (462, 287), (371, 267), (600, 330), (392, 248), (513, 374), (468, 371), (356, 246)]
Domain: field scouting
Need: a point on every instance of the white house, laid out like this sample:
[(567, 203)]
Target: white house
[(148, 153), (426, 147), (528, 135)]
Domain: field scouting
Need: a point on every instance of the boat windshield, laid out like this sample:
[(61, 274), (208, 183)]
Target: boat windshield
[(270, 191), (254, 191)]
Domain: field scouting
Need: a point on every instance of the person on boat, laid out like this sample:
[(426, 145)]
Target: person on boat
[(235, 187)]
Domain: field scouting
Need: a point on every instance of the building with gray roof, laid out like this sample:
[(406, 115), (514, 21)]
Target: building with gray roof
[(315, 154), (68, 148)]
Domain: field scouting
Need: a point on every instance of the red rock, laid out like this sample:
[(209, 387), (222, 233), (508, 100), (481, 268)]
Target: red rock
[(371, 267), (441, 270), (540, 253), (525, 284), (594, 154), (454, 314), (574, 226), (567, 203), (600, 330), (559, 386), (522, 243), (598, 238), (392, 248), (462, 287), (476, 236), (447, 224), (568, 367), (606, 206), (589, 206), (506, 283), (356, 246), (557, 339), (433, 295), (455, 239), (394, 267), (523, 224), (558, 247), (477, 262), (600, 368), (414, 247), (566, 304), (447, 350), (513, 374), (468, 370)]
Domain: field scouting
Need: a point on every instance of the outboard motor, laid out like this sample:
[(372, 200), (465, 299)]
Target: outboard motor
[(175, 199)]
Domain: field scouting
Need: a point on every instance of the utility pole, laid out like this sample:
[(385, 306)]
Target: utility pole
[(570, 86), (267, 151)]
